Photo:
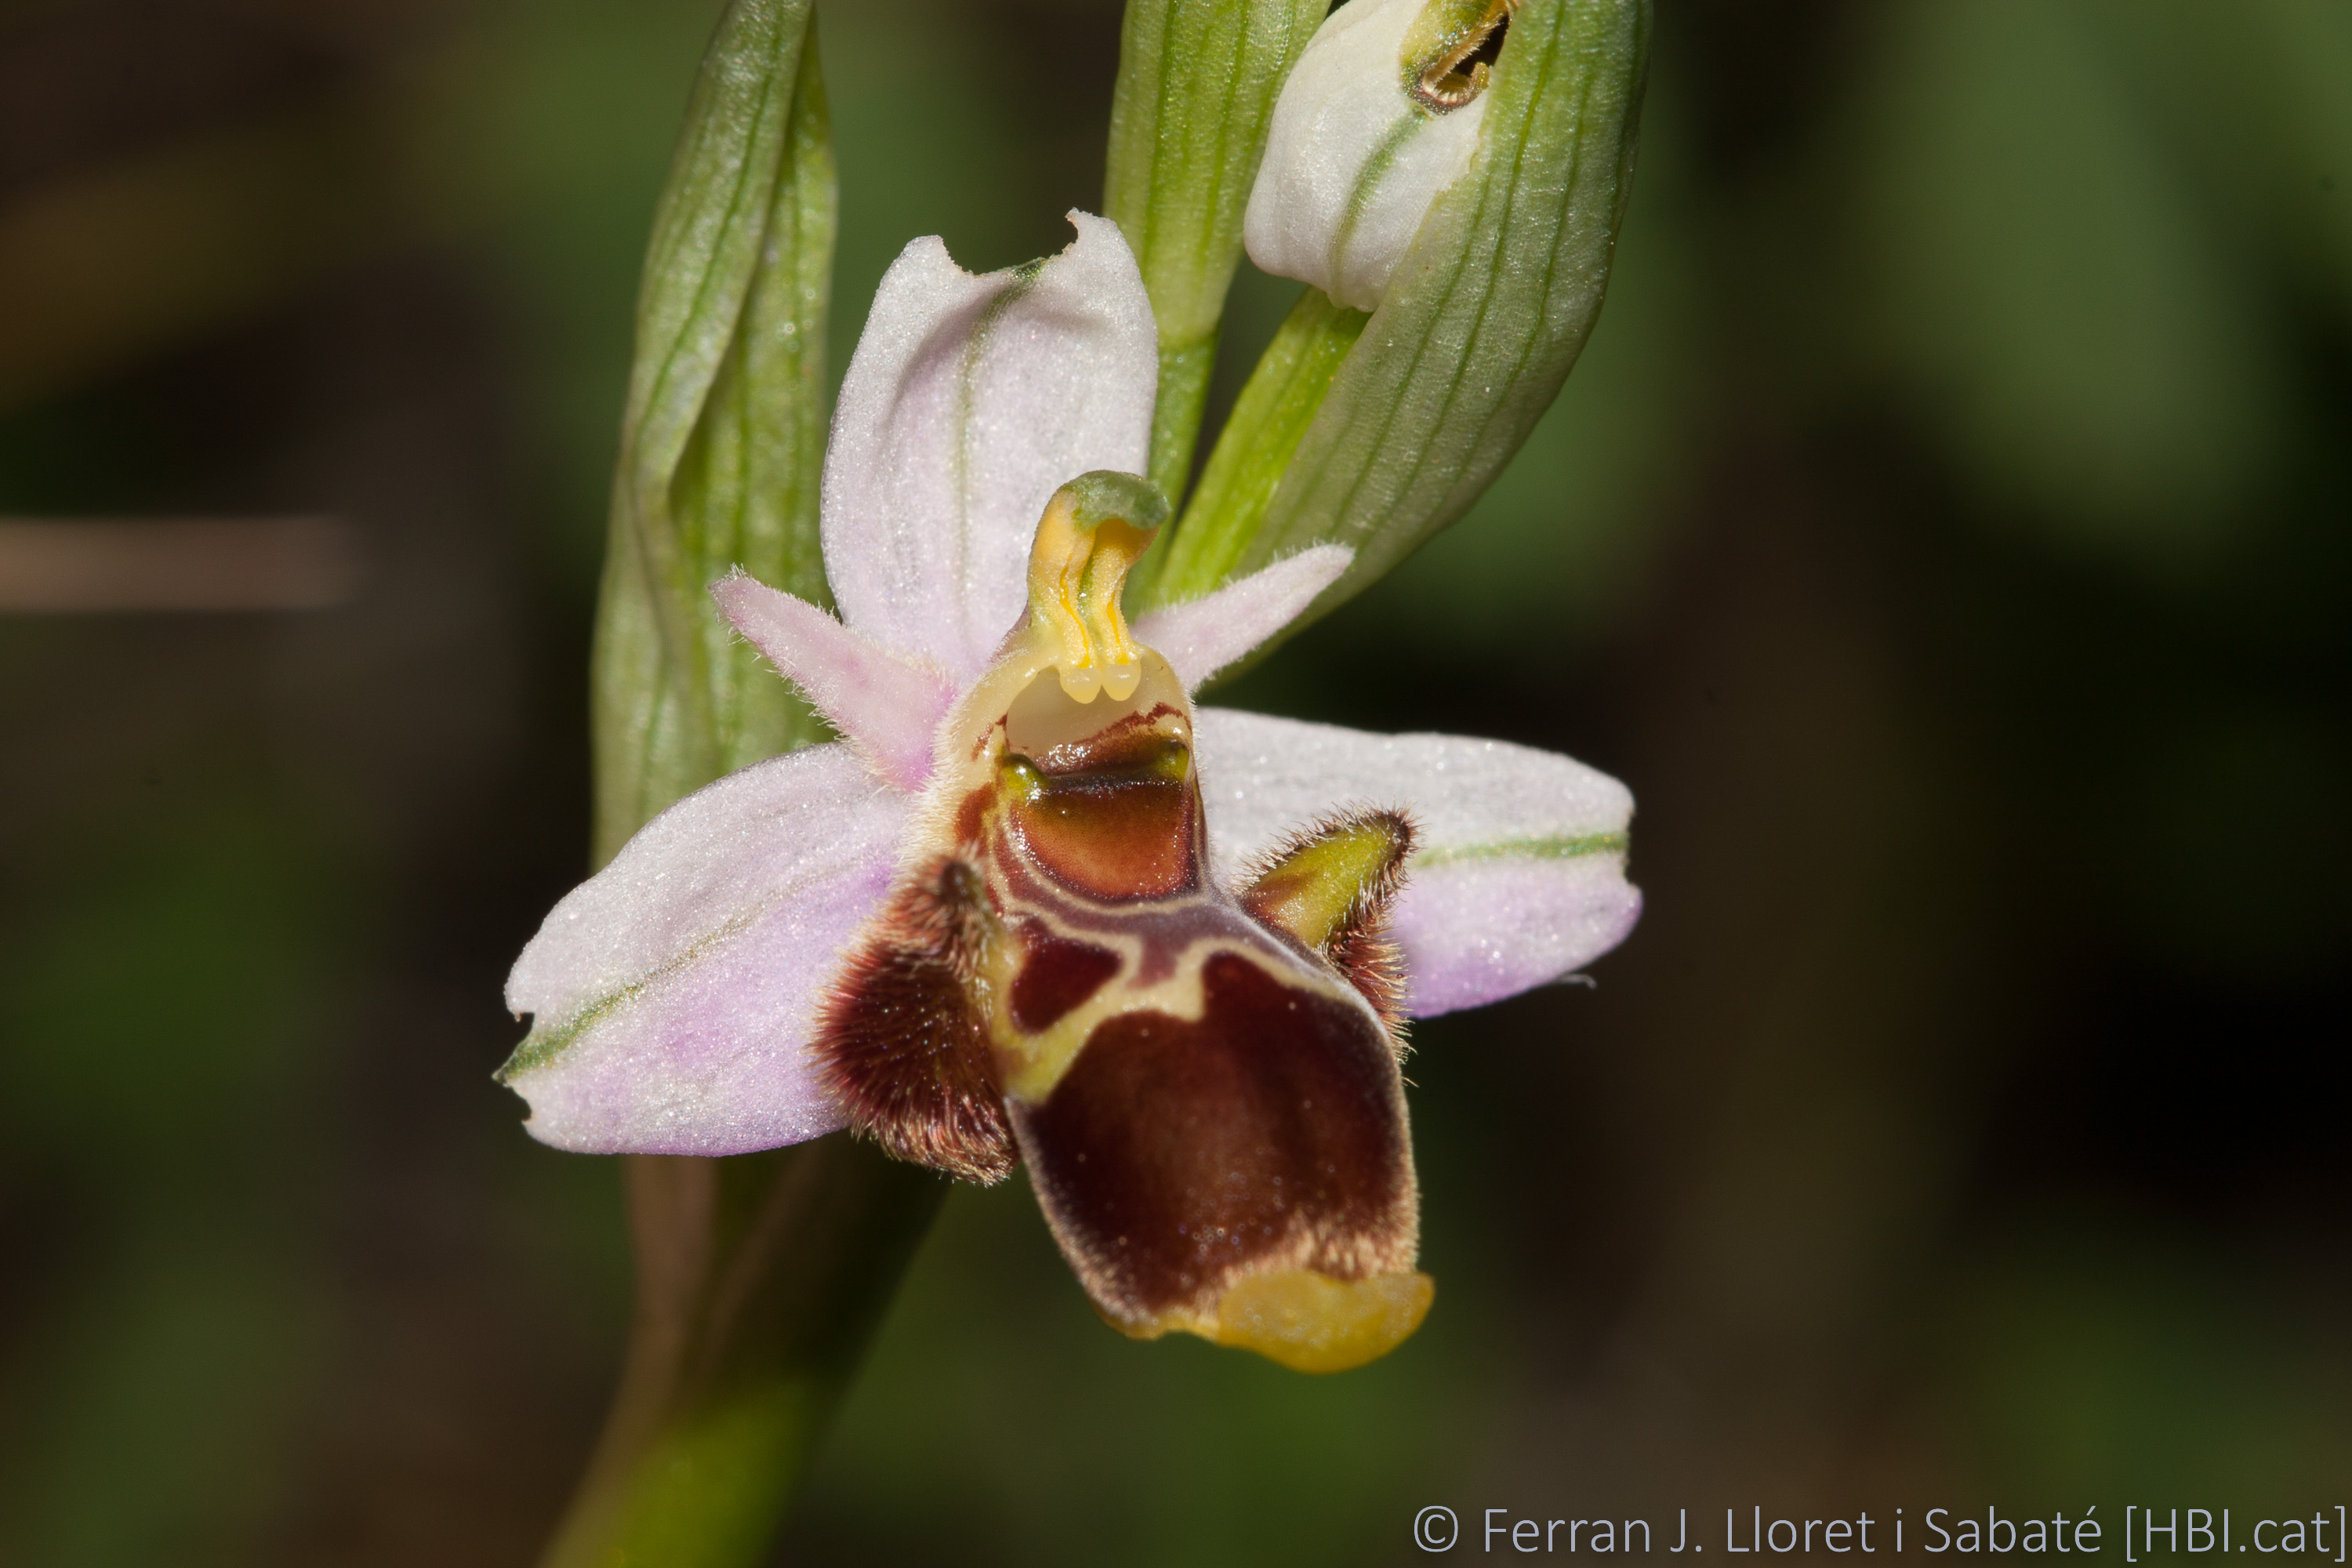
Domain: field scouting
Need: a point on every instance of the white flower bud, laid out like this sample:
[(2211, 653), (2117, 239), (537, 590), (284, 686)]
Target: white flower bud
[(1380, 115)]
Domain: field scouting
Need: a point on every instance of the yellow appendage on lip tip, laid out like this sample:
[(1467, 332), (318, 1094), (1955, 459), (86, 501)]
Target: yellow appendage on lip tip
[(1094, 531), (1309, 1321), (1312, 1323)]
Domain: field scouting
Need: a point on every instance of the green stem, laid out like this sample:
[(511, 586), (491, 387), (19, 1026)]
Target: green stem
[(759, 1280), (1175, 429)]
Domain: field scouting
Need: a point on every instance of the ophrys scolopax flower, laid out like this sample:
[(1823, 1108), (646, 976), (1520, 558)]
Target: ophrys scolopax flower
[(1038, 906)]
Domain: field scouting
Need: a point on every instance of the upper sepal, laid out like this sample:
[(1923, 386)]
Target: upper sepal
[(970, 401)]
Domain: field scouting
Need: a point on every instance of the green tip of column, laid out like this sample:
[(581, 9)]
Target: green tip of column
[(1107, 496)]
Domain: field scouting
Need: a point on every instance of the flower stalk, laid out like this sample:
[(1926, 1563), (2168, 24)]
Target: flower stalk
[(760, 1279)]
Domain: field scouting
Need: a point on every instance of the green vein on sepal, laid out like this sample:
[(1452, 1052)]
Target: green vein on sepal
[(966, 390), (1556, 847), (547, 1041)]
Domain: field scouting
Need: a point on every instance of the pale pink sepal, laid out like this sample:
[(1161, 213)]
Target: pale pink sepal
[(1200, 638), (1479, 929), (969, 402), (673, 992), (1518, 876), (884, 704)]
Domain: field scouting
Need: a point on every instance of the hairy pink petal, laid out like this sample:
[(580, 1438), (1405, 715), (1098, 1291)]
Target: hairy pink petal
[(1519, 874), (1203, 636), (673, 992), (884, 705), (970, 401)]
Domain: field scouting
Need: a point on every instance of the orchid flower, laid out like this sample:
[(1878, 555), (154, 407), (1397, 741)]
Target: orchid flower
[(1038, 906)]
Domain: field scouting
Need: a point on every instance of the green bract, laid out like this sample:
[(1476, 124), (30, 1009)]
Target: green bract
[(737, 1357), (723, 437), (1484, 316)]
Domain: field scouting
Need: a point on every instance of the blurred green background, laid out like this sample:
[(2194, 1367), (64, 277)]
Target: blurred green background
[(1946, 535)]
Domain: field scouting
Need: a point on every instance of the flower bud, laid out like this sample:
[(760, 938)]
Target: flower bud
[(1380, 116), (1375, 432)]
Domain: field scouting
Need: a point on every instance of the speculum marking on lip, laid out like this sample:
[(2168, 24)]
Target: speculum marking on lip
[(1057, 975), (1177, 1155)]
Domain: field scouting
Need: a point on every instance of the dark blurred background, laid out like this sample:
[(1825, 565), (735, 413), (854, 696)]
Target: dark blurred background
[(1946, 535)]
